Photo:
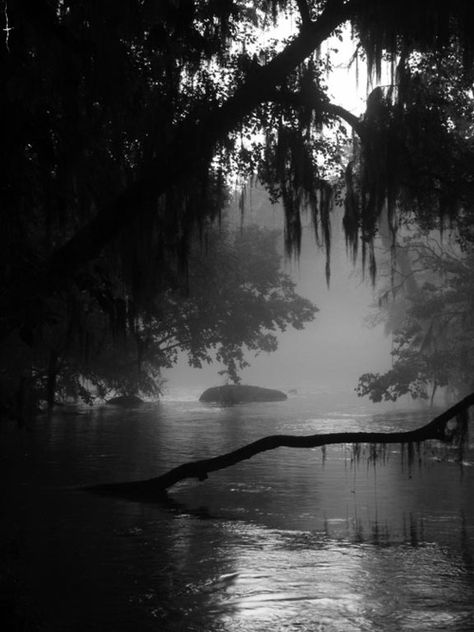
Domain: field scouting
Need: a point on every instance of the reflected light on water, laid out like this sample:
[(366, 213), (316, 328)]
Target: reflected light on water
[(300, 581), (287, 541)]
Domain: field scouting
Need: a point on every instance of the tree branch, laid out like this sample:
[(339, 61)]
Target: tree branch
[(320, 103), (436, 429), (192, 141), (304, 12)]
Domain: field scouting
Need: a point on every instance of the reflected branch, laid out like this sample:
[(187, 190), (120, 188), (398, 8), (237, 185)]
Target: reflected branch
[(438, 429)]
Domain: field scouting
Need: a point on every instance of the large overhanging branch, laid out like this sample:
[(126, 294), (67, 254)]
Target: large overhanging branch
[(192, 140), (437, 429)]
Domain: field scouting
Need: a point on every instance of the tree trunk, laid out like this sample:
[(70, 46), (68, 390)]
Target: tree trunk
[(193, 140), (52, 378), (26, 400), (438, 429)]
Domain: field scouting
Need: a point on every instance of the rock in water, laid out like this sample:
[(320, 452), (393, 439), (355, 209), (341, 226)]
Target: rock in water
[(126, 401), (240, 393)]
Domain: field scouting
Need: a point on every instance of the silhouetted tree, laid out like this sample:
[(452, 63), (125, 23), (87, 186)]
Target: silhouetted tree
[(430, 312), (122, 121), (234, 300)]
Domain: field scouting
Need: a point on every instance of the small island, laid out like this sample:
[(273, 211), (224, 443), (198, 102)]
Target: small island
[(240, 393)]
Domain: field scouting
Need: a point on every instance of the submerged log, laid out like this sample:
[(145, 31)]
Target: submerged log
[(441, 428), (241, 393)]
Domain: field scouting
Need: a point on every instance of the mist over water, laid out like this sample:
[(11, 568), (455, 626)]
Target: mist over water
[(331, 352), (290, 540)]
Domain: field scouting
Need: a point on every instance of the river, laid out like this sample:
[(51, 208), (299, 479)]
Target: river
[(290, 540)]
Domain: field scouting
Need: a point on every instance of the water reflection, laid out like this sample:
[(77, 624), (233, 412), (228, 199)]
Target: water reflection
[(286, 541), (300, 580)]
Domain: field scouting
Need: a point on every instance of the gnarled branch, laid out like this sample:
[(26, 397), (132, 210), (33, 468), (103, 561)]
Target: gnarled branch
[(192, 140), (437, 429)]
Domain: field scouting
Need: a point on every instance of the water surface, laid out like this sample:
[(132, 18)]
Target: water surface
[(289, 540)]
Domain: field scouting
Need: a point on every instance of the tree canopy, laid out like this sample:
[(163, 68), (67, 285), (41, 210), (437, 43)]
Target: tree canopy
[(234, 300), (238, 299), (123, 122)]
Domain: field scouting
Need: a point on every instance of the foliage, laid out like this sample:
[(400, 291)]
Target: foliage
[(124, 121), (433, 342), (415, 163), (113, 97), (238, 298), (235, 300)]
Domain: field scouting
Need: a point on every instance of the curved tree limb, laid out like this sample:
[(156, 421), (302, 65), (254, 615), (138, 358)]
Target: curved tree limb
[(192, 141), (437, 429)]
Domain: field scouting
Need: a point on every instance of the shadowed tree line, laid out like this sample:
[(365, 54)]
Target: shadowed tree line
[(122, 123), (233, 300), (428, 309)]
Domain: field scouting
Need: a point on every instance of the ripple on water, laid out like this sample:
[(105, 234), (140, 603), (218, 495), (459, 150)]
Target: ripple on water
[(287, 580), (285, 541)]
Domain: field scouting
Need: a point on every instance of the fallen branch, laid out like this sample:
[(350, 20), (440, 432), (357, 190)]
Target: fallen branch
[(438, 429)]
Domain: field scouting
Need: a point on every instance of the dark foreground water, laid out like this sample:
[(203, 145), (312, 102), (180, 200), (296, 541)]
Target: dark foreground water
[(290, 540)]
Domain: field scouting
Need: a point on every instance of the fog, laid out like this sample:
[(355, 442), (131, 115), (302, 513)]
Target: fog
[(338, 346), (332, 351)]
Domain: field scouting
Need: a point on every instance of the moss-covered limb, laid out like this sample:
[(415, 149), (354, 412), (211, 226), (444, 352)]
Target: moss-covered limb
[(320, 103), (437, 429), (191, 142)]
